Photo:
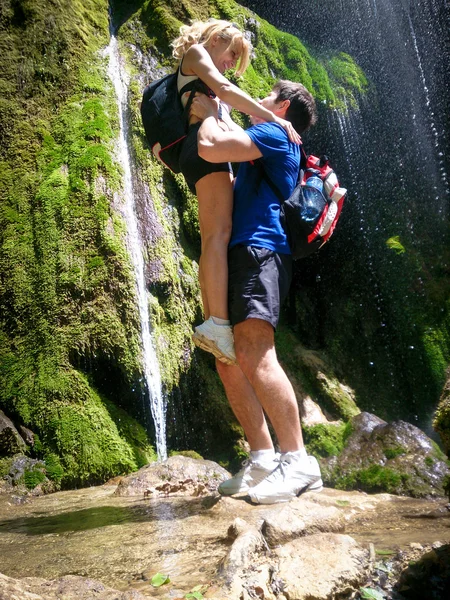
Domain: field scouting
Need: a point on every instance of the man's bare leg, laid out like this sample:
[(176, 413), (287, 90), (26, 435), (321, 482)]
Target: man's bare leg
[(250, 415), (245, 406), (255, 350)]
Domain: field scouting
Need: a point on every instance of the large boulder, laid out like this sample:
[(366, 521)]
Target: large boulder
[(11, 442), (178, 474), (316, 567), (392, 457)]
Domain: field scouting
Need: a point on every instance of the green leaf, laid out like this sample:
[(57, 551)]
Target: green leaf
[(371, 594), (194, 596), (159, 579), (342, 502)]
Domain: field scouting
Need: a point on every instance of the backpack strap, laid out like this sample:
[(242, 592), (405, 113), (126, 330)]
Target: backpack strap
[(193, 86), (275, 189)]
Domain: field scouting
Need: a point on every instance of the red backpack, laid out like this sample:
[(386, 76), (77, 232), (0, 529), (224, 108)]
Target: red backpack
[(310, 214)]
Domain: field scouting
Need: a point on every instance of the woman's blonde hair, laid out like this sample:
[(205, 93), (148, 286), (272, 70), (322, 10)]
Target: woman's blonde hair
[(201, 32)]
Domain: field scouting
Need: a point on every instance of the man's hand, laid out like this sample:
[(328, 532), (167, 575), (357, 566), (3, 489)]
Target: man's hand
[(203, 107)]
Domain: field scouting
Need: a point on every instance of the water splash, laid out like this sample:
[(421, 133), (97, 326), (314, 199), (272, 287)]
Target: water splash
[(426, 92), (158, 406)]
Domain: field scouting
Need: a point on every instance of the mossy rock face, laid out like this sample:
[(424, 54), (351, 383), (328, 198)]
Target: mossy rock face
[(312, 375), (326, 440), (11, 442), (388, 457), (22, 474), (69, 330), (441, 421), (70, 352)]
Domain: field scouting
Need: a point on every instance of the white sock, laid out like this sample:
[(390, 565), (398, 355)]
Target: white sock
[(263, 456), (298, 455), (218, 321)]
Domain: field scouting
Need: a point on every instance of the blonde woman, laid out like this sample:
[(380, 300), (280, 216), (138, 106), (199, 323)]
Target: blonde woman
[(205, 50)]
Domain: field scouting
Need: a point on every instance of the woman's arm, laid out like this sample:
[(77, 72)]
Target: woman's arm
[(197, 61)]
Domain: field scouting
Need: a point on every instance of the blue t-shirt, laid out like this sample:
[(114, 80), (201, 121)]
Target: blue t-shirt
[(256, 212)]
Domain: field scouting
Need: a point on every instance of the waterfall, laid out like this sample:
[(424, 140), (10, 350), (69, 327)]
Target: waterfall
[(119, 79)]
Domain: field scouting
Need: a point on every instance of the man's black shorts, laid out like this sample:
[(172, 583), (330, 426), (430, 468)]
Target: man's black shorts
[(258, 283)]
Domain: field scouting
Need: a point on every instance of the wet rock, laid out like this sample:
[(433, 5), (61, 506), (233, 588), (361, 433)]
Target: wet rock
[(26, 475), (429, 577), (11, 441), (322, 566), (70, 587), (310, 412), (316, 567), (441, 421), (179, 475), (394, 457), (27, 435), (336, 398), (300, 518), (247, 543)]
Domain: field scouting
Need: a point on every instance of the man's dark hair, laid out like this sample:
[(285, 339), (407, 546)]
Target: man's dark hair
[(302, 112)]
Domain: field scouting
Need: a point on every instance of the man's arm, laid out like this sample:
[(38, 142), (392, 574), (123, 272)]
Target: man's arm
[(216, 145)]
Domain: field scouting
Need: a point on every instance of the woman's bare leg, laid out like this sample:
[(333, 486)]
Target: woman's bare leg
[(215, 206), (201, 280)]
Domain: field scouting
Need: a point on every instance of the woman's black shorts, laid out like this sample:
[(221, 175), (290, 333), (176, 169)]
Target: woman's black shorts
[(192, 166)]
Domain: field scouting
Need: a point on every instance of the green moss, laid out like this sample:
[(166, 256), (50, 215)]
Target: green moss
[(33, 477), (324, 440), (394, 243), (188, 453), (437, 452), (5, 466), (394, 451), (53, 468), (374, 479), (346, 78)]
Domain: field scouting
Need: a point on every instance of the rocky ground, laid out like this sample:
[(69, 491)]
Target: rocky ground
[(320, 546)]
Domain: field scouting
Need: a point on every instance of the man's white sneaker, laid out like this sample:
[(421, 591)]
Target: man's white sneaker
[(217, 339), (252, 473), (288, 480)]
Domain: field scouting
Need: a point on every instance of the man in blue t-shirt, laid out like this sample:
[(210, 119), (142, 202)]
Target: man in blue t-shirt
[(260, 266)]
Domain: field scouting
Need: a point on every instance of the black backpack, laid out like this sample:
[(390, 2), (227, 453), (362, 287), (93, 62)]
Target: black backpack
[(311, 212), (165, 119)]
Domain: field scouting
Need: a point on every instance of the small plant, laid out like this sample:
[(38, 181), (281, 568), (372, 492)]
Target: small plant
[(371, 594), (394, 452), (196, 593), (33, 477), (384, 552), (159, 579)]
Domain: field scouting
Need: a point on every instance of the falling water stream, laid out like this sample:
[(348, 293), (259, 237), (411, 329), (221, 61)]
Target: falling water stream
[(150, 362)]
